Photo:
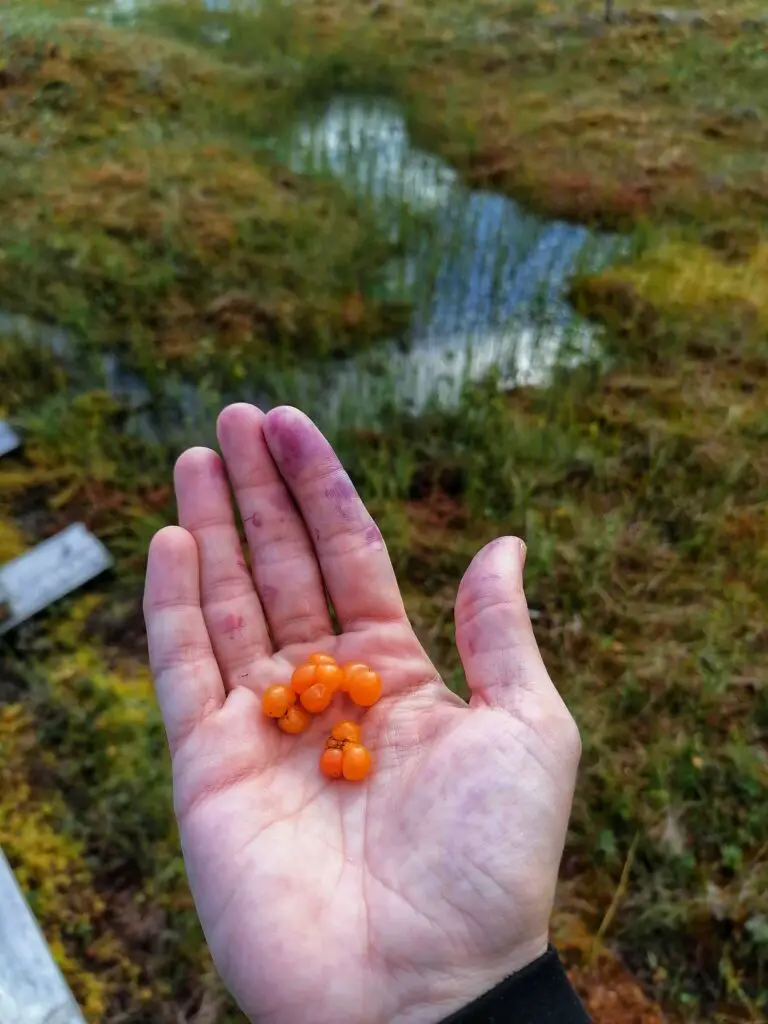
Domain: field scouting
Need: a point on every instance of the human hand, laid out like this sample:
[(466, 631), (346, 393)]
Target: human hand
[(399, 899)]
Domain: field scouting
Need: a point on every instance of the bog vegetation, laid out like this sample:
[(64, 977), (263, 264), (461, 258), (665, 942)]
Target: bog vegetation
[(152, 211)]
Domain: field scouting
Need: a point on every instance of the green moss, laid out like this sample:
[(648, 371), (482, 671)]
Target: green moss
[(11, 541), (148, 231), (78, 463), (680, 276), (685, 294), (608, 125), (91, 834), (50, 866), (27, 371)]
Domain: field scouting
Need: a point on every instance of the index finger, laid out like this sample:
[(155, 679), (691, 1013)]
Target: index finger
[(353, 557)]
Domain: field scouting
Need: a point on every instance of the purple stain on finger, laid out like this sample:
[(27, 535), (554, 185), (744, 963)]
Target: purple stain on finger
[(268, 593), (233, 625), (280, 500), (343, 495), (291, 448), (373, 537), (294, 441), (256, 520)]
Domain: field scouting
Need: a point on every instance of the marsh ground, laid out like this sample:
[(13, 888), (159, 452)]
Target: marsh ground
[(145, 211)]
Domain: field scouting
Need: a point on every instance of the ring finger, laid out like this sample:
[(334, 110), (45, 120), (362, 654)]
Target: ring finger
[(233, 614)]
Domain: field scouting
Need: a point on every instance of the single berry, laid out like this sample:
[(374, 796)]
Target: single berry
[(321, 659), (331, 675), (355, 762), (303, 678), (294, 721), (317, 697), (349, 670), (330, 763), (277, 700), (365, 688), (347, 732)]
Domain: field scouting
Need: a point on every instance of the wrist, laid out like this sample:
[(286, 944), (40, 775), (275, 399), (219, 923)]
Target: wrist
[(435, 994)]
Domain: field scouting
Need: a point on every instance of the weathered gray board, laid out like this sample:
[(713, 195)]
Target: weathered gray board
[(47, 572), (32, 990), (9, 439)]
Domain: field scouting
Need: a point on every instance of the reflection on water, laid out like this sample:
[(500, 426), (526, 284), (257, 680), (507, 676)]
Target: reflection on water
[(125, 10), (486, 278), (119, 9), (486, 281), (367, 145)]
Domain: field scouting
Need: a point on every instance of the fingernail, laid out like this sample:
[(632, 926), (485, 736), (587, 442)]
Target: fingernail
[(523, 553)]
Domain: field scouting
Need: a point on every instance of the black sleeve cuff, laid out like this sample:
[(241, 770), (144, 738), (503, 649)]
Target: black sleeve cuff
[(539, 994)]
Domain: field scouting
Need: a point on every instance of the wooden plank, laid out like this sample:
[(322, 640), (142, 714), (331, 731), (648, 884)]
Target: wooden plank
[(32, 989), (9, 439), (49, 571)]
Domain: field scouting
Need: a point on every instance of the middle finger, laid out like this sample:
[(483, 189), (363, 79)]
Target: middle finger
[(285, 568)]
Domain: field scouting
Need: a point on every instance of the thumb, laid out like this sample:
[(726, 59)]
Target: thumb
[(493, 630)]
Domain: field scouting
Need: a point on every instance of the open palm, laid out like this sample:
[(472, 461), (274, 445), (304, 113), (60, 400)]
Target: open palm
[(406, 896)]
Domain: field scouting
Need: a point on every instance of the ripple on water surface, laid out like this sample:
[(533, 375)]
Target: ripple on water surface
[(486, 278)]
